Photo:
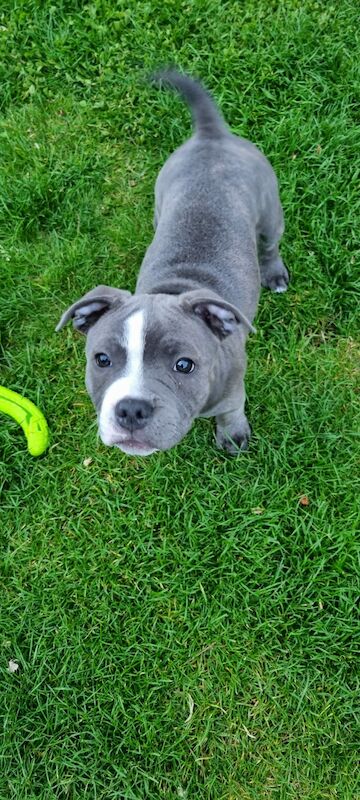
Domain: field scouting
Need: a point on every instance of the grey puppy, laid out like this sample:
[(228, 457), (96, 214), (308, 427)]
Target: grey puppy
[(175, 350)]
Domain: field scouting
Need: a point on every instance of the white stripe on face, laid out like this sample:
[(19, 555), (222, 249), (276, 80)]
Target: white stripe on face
[(131, 384)]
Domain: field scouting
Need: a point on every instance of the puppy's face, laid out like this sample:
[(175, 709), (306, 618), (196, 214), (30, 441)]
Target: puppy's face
[(152, 362)]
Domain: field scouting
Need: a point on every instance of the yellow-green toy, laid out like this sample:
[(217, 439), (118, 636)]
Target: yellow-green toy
[(29, 417)]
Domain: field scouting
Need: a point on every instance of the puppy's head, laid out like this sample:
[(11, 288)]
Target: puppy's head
[(152, 361)]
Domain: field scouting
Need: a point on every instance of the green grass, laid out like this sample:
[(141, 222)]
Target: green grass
[(184, 627)]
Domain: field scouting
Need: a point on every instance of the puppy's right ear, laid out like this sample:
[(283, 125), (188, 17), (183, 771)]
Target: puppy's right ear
[(86, 311)]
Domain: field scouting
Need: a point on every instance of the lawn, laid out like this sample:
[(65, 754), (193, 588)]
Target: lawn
[(185, 625)]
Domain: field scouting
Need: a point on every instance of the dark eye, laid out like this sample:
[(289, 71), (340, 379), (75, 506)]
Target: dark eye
[(184, 365), (102, 360)]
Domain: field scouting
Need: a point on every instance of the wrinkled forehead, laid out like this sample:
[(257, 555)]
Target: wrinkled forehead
[(144, 324)]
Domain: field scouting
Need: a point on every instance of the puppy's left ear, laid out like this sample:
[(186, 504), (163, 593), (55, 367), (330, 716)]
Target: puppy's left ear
[(221, 317)]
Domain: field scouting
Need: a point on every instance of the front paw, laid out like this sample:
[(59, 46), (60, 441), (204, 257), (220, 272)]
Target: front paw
[(275, 276), (278, 284), (234, 442)]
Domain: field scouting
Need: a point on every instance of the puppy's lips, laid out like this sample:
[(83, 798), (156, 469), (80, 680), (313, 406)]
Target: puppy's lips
[(132, 446), (126, 441)]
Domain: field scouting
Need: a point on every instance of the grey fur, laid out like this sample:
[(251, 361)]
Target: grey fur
[(218, 222)]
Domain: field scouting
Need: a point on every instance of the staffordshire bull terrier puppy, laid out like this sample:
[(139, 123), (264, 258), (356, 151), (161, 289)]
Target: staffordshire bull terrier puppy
[(175, 349)]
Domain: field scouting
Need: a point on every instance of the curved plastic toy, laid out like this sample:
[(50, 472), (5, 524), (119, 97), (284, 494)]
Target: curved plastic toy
[(29, 417)]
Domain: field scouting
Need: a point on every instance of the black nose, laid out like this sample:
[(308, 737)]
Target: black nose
[(132, 413)]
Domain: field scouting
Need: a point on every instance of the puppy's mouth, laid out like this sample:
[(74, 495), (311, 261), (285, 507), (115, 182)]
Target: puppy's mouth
[(133, 447), (131, 443)]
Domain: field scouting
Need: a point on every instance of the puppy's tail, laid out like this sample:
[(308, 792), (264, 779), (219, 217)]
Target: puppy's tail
[(207, 120)]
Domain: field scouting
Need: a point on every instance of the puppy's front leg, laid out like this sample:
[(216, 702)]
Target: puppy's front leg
[(232, 428)]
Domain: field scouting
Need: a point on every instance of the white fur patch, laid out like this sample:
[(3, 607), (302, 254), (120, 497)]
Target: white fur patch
[(131, 384)]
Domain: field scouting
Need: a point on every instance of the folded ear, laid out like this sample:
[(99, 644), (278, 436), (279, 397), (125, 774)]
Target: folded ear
[(221, 317), (86, 311)]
